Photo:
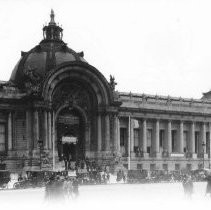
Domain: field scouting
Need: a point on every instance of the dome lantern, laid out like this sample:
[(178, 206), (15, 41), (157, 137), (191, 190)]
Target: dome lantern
[(52, 32)]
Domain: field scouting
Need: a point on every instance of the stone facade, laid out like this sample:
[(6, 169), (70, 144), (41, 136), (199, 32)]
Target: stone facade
[(56, 105), (164, 132)]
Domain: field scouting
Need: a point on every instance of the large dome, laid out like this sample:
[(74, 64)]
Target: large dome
[(41, 59)]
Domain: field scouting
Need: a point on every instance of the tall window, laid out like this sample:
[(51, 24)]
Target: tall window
[(161, 135), (123, 136), (174, 140), (123, 140), (207, 142), (139, 166), (196, 142), (2, 138), (149, 140), (136, 139), (185, 141), (152, 167)]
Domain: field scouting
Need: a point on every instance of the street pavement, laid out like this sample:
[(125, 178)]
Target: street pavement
[(114, 196)]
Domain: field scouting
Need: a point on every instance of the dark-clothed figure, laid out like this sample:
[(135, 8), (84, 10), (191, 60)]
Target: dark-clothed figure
[(208, 189)]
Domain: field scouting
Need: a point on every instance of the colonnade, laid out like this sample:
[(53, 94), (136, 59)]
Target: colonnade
[(103, 124), (33, 130), (104, 134), (167, 144)]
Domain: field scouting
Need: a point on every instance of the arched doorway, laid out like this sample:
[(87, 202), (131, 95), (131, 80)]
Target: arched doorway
[(70, 126)]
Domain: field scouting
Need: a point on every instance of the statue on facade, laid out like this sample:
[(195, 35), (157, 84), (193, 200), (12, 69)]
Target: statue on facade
[(33, 80), (112, 83), (32, 74)]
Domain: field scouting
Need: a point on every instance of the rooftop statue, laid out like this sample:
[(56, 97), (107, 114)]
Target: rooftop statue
[(112, 83)]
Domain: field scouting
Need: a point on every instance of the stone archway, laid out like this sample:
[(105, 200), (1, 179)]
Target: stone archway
[(71, 128), (73, 98), (85, 74)]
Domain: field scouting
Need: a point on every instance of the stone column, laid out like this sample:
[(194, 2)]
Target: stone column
[(36, 129), (140, 141), (157, 136), (9, 131), (156, 139), (45, 130), (118, 136), (169, 138), (129, 141), (202, 139), (144, 136), (49, 131), (132, 137), (115, 139), (192, 138), (209, 155), (99, 133), (107, 133), (181, 138), (29, 130)]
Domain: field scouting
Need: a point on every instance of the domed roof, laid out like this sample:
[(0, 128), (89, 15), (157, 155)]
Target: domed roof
[(50, 53)]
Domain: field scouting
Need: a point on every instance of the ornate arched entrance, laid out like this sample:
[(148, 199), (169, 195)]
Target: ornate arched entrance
[(70, 126), (79, 94), (73, 103)]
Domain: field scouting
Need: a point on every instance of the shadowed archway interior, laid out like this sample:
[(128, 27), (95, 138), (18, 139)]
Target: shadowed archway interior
[(70, 135)]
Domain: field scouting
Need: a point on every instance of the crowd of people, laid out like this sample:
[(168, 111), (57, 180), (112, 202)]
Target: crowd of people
[(188, 186), (59, 187), (156, 176), (62, 185)]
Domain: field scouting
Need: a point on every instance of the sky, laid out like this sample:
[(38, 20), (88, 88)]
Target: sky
[(154, 47)]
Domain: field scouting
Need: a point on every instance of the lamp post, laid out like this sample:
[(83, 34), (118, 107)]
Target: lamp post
[(40, 144), (203, 147)]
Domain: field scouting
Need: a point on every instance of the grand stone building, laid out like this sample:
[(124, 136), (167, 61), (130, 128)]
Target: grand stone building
[(56, 106)]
